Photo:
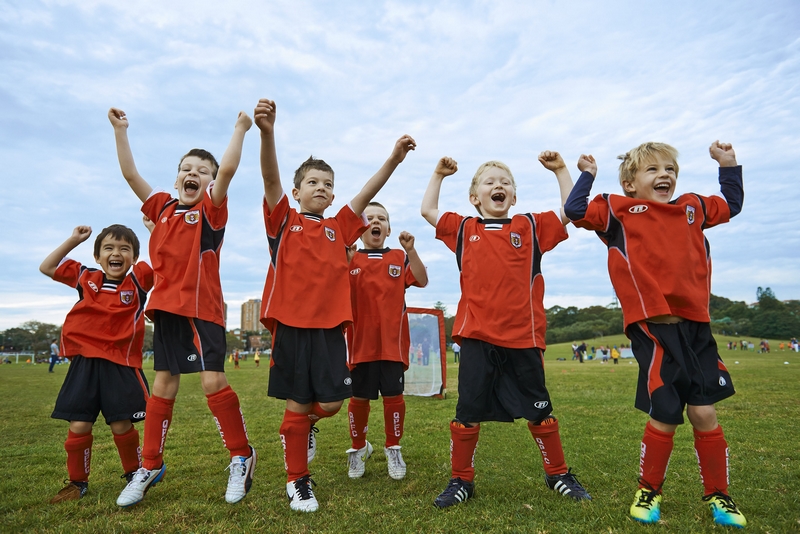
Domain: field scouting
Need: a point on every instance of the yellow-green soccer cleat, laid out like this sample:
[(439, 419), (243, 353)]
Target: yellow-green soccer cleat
[(724, 510), (646, 507)]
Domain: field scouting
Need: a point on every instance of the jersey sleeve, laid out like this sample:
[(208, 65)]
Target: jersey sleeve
[(596, 216), (410, 280), (217, 215), (144, 274), (154, 205), (352, 225), (275, 219), (715, 210), (550, 231), (68, 272), (447, 228)]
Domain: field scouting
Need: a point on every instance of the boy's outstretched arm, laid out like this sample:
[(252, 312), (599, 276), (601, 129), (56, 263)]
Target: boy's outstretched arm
[(414, 262), (430, 200), (120, 123), (374, 184), (552, 161), (578, 199), (730, 175), (50, 263), (264, 115), (230, 159)]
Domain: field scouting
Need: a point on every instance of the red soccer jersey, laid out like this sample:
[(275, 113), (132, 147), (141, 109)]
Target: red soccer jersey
[(307, 285), (659, 260), (108, 319), (378, 282), (184, 249), (501, 279)]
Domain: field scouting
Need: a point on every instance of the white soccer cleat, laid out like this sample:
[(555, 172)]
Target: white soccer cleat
[(301, 496), (394, 462), (141, 481), (241, 476), (356, 459)]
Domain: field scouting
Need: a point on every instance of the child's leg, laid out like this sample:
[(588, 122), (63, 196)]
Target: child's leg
[(711, 448), (394, 416), (159, 417), (656, 449), (463, 443), (545, 434), (358, 412), (79, 450), (294, 438), (126, 438), (224, 405)]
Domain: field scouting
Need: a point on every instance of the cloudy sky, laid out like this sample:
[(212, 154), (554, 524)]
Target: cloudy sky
[(474, 80)]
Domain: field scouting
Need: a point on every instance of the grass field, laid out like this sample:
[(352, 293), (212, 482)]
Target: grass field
[(600, 429)]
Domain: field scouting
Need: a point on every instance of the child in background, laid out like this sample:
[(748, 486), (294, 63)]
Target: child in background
[(660, 265), (102, 336), (378, 341)]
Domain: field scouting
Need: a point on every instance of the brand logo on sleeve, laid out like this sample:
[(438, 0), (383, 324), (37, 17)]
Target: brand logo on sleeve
[(355, 271), (296, 228), (330, 234), (394, 270), (474, 238), (92, 285), (126, 297), (639, 208), (516, 240), (690, 214), (192, 217)]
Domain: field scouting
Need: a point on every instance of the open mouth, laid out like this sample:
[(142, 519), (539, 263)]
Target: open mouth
[(191, 187), (115, 264), (662, 187), (376, 231), (499, 196)]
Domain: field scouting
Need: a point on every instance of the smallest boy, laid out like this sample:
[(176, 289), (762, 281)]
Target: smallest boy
[(660, 266), (102, 336), (378, 341)]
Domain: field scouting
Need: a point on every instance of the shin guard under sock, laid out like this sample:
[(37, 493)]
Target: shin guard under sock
[(548, 440), (394, 417), (358, 413), (712, 456), (79, 455), (224, 405), (156, 425), (294, 439), (654, 457), (463, 443), (129, 451)]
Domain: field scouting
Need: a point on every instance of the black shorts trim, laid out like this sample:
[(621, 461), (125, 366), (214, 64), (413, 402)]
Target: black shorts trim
[(309, 364), (501, 384), (371, 377), (184, 345), (95, 385)]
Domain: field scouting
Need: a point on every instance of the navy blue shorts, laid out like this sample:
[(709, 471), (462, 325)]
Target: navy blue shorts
[(679, 364), (184, 345), (371, 377), (95, 385)]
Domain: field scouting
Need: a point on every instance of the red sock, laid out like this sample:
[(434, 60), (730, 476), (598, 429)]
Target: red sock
[(224, 405), (712, 455), (129, 451), (79, 455), (294, 438), (317, 412), (548, 440), (156, 425), (463, 442), (394, 418), (358, 413), (654, 458)]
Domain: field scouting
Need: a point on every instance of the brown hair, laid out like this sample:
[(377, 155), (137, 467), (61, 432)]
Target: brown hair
[(202, 154), (117, 231), (310, 163)]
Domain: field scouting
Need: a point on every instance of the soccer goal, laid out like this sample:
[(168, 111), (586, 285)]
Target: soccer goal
[(427, 355)]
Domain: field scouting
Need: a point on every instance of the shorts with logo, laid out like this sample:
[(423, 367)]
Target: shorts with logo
[(679, 364), (95, 385), (309, 364), (500, 384), (371, 377), (184, 345)]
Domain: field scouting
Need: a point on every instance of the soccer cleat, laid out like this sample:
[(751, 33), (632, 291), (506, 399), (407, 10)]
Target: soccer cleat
[(128, 477), (646, 507), (312, 442), (141, 481), (724, 510), (241, 476), (301, 496), (71, 492), (356, 459), (567, 485), (394, 462), (457, 491)]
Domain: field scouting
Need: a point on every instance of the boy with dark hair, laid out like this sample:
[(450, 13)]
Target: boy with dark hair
[(378, 341), (500, 323), (187, 304), (308, 364), (660, 265), (102, 336)]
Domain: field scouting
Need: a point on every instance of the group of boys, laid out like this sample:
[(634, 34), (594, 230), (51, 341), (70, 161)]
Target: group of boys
[(348, 339)]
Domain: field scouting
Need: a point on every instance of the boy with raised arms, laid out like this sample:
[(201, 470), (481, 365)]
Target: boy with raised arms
[(660, 265), (186, 305), (500, 323), (306, 301), (102, 336), (378, 341)]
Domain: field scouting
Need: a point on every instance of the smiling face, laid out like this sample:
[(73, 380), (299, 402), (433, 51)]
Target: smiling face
[(379, 229), (194, 175), (315, 192), (493, 192), (115, 257), (655, 180)]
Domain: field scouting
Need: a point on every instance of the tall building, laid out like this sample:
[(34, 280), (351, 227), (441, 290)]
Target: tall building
[(251, 312)]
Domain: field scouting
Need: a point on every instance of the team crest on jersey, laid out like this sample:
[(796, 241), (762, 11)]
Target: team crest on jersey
[(330, 233), (192, 217), (639, 208), (93, 286), (296, 228), (474, 238), (126, 297), (690, 214), (355, 271), (516, 240), (394, 270)]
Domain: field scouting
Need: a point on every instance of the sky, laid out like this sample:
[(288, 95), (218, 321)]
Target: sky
[(473, 80)]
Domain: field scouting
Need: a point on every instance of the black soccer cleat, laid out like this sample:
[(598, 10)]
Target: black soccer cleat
[(457, 491), (567, 485)]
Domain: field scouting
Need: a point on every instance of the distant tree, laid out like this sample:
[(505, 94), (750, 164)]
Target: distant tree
[(41, 334), (441, 306), (767, 301), (148, 337), (233, 341)]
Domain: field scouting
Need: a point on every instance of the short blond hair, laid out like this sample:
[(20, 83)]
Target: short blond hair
[(473, 186), (634, 159)]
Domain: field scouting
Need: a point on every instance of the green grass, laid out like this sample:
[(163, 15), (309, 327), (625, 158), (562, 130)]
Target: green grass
[(600, 429)]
